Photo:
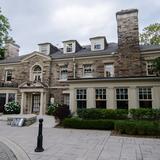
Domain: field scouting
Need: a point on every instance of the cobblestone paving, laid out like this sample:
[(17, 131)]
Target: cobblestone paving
[(6, 153)]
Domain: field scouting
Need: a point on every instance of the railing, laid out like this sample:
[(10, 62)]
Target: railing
[(9, 84)]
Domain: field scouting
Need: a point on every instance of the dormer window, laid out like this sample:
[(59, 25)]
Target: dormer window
[(44, 49), (97, 46), (98, 43), (69, 47)]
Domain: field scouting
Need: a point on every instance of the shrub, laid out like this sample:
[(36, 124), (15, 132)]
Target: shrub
[(88, 124), (103, 113), (12, 108), (145, 114), (51, 108), (61, 112), (133, 127)]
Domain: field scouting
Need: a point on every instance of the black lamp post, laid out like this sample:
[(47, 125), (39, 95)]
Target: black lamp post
[(39, 147)]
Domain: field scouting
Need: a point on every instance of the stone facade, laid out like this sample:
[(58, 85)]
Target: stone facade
[(127, 58)]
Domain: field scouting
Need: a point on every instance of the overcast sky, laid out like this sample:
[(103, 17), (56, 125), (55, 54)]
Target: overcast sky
[(38, 21)]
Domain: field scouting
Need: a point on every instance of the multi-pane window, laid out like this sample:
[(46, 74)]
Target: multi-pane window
[(66, 99), (8, 75), (69, 47), (87, 70), (150, 69), (37, 73), (101, 100), (63, 72), (97, 46), (81, 97), (109, 70), (122, 98), (145, 98), (11, 97)]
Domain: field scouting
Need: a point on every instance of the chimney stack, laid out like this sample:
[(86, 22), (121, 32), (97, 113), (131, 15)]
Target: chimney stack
[(12, 49), (128, 62)]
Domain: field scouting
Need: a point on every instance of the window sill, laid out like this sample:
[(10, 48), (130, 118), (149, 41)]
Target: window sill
[(62, 80)]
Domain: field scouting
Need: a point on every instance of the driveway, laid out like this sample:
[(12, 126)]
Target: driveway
[(70, 144)]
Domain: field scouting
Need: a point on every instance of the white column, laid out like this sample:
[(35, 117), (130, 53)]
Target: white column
[(91, 98), (111, 98), (45, 104), (22, 102), (132, 98), (41, 104), (156, 97), (72, 101)]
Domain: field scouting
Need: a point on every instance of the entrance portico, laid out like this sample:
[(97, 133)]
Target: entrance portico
[(33, 98)]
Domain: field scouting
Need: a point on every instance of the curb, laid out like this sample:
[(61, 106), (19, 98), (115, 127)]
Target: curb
[(16, 149)]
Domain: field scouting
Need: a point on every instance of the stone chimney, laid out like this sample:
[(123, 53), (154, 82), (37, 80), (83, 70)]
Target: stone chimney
[(12, 49), (128, 62)]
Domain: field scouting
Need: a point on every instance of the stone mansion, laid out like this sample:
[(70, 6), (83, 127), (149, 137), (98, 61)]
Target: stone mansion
[(99, 75)]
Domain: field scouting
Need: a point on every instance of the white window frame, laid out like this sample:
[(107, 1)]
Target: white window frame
[(33, 73), (63, 68), (69, 47), (81, 95), (122, 95), (103, 92), (110, 70), (97, 46), (149, 66), (6, 75), (87, 70), (146, 93)]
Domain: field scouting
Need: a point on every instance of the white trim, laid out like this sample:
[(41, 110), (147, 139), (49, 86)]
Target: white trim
[(59, 87), (31, 71), (35, 53)]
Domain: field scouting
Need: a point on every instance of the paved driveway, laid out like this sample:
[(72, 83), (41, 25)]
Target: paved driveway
[(70, 144)]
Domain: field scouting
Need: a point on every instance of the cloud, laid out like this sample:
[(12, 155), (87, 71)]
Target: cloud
[(54, 21)]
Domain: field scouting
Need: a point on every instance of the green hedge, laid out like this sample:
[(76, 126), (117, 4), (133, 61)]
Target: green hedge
[(136, 114), (103, 113), (133, 127), (145, 114), (88, 124)]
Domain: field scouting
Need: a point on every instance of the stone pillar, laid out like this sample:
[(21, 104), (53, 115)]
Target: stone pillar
[(133, 98), (41, 104), (111, 101), (91, 98), (22, 102)]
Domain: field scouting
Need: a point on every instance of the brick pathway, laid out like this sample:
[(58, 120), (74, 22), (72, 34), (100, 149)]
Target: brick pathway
[(6, 153)]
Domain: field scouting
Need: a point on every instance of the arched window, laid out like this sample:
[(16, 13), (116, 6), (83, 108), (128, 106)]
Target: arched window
[(37, 73)]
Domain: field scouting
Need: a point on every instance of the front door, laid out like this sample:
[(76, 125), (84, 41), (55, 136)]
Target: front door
[(35, 103), (2, 101)]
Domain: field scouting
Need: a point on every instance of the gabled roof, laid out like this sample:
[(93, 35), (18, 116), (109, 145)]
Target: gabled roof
[(22, 58)]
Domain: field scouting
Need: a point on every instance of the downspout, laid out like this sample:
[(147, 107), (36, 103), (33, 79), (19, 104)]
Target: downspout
[(74, 68)]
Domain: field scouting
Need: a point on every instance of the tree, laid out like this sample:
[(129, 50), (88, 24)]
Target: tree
[(151, 35), (4, 29), (156, 64)]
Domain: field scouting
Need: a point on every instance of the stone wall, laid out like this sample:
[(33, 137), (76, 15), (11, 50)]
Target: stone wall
[(129, 60)]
